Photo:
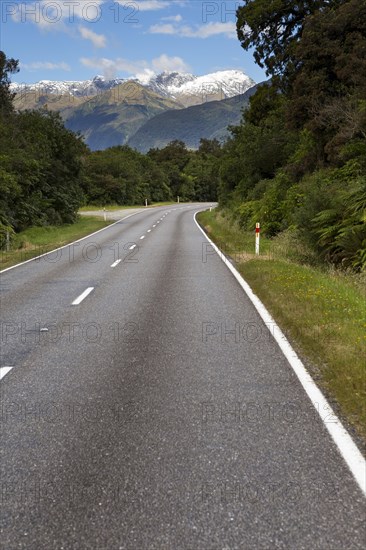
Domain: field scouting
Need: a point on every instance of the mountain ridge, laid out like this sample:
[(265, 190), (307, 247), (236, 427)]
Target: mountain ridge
[(173, 84), (123, 111), (209, 121), (115, 116)]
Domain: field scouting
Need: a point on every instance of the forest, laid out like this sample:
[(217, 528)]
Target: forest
[(47, 172), (296, 163)]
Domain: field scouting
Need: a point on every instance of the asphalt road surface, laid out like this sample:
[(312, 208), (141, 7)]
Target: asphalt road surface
[(147, 406)]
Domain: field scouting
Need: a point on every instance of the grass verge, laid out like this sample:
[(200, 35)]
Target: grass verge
[(113, 207), (321, 312), (39, 240)]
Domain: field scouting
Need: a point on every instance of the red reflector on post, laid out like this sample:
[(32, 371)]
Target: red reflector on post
[(257, 237)]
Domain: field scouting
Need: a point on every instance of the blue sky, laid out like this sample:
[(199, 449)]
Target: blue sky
[(77, 39)]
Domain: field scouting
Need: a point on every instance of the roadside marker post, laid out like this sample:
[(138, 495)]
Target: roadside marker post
[(257, 237), (105, 214), (146, 203)]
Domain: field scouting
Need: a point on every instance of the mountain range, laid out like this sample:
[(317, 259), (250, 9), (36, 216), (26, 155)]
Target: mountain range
[(209, 120), (140, 109)]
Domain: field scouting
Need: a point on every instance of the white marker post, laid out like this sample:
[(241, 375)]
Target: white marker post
[(146, 203), (105, 215), (257, 237), (178, 200)]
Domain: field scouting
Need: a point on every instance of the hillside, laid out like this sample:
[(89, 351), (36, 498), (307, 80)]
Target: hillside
[(113, 117), (189, 125), (39, 100), (110, 112)]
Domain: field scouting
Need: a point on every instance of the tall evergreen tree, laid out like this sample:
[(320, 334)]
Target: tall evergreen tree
[(7, 67)]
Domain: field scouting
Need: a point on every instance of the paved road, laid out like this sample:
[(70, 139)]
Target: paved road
[(158, 413), (115, 214)]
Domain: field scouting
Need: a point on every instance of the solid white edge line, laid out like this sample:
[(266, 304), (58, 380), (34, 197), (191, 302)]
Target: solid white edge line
[(82, 296), (344, 442), (4, 371), (116, 263), (70, 244)]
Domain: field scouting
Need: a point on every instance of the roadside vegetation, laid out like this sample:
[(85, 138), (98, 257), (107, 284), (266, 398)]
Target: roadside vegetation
[(34, 241), (320, 309), (297, 162), (297, 165), (114, 207), (47, 173)]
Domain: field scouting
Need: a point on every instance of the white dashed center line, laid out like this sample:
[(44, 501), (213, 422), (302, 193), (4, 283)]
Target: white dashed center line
[(82, 296), (116, 263), (4, 371), (149, 230), (154, 225), (143, 236), (132, 247)]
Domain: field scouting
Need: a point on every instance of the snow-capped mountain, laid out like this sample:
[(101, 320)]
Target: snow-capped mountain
[(223, 84), (75, 88), (219, 85), (164, 82)]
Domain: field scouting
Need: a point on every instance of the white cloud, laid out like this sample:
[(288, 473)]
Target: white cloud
[(146, 76), (45, 65), (151, 5), (111, 67), (176, 18), (144, 5), (148, 5), (141, 68), (211, 29), (201, 31), (55, 13), (163, 28), (98, 40), (166, 63)]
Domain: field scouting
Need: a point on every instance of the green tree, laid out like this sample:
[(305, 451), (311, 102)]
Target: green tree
[(41, 170), (203, 171), (122, 175), (328, 95), (273, 27), (7, 67), (173, 159)]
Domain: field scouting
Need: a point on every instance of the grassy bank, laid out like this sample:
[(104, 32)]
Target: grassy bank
[(113, 207), (38, 240), (322, 312)]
